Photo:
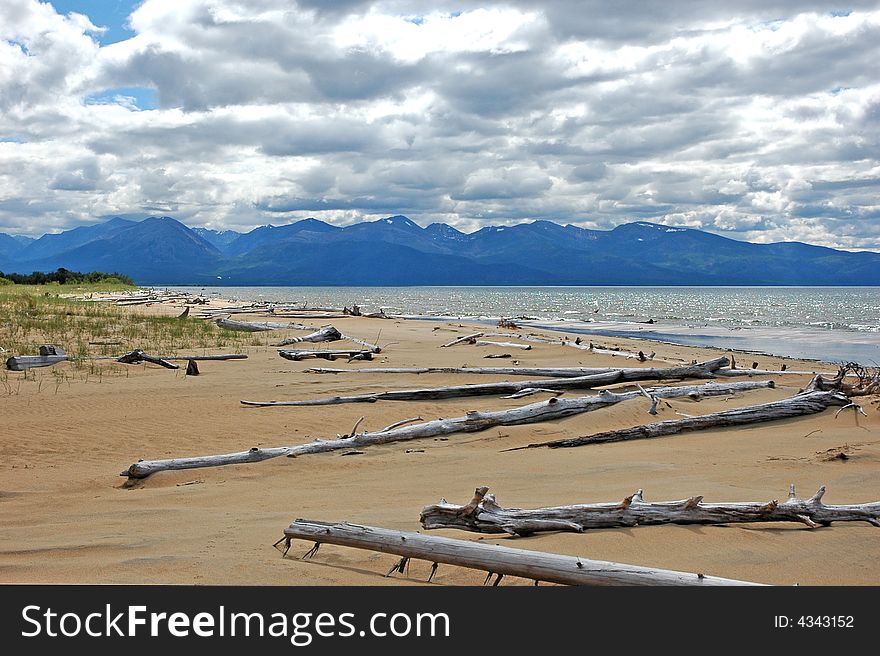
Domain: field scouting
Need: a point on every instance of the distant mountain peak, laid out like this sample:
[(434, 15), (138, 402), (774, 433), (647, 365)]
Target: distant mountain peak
[(400, 221)]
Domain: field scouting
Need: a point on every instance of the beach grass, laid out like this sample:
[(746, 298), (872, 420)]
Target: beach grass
[(31, 315)]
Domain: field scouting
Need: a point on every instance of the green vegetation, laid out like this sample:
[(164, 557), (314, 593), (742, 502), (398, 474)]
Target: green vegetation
[(65, 277), (31, 315)]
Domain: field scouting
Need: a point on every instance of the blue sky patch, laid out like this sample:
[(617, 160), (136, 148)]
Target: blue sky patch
[(112, 14), (134, 97)]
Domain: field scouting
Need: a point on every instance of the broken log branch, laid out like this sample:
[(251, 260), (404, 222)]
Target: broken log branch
[(554, 568), (795, 406), (483, 514), (472, 422)]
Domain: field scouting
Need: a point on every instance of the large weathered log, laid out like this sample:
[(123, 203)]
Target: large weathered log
[(751, 373), (472, 422), (257, 326), (325, 334), (488, 389), (505, 561), (483, 514), (302, 354), (701, 370), (795, 406), (48, 355)]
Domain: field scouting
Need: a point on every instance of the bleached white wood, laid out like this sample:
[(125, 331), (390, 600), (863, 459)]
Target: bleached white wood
[(489, 389), (523, 347), (472, 422), (709, 370), (508, 561), (258, 326), (795, 406), (483, 514), (328, 354)]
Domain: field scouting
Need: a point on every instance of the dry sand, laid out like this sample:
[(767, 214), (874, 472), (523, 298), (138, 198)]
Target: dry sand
[(67, 516)]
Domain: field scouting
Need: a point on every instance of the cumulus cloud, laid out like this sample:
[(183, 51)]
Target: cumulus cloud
[(757, 121)]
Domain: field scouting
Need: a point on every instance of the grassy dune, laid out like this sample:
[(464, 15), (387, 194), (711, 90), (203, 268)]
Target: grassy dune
[(31, 315)]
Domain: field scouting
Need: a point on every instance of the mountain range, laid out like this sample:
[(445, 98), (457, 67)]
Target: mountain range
[(396, 252)]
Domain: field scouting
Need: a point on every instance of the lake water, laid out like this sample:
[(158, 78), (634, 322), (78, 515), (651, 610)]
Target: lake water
[(824, 323)]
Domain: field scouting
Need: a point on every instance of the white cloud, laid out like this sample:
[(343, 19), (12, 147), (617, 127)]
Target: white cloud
[(757, 121)]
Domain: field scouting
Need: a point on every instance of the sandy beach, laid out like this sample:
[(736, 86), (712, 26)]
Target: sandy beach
[(69, 517)]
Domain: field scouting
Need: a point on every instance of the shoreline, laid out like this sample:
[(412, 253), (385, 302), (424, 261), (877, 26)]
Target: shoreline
[(805, 342)]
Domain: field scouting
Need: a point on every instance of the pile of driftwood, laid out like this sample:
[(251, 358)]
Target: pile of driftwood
[(818, 396), (318, 335)]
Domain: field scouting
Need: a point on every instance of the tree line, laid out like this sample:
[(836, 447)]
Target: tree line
[(66, 277)]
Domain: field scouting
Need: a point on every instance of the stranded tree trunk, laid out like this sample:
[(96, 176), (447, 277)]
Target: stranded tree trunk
[(258, 326), (487, 389), (795, 406), (496, 559), (472, 422), (484, 515), (706, 369)]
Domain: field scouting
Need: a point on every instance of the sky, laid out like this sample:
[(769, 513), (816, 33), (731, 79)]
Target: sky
[(757, 120)]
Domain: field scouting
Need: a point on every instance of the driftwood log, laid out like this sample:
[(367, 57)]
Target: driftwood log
[(459, 340), (329, 334), (706, 369), (483, 514), (302, 354), (531, 337), (207, 358), (610, 377), (48, 355), (524, 347), (137, 356), (258, 326), (495, 559), (372, 347), (325, 334), (795, 406), (472, 422)]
